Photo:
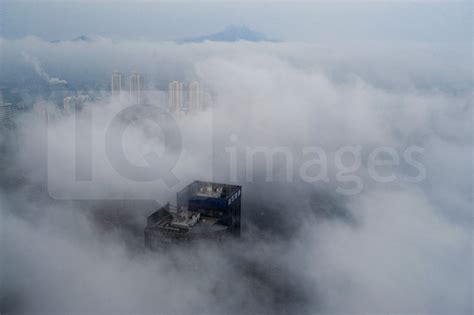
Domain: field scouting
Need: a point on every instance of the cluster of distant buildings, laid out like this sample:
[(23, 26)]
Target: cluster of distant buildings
[(135, 85), (179, 99)]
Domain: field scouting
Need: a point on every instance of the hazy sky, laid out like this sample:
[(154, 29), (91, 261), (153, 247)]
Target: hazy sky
[(347, 20)]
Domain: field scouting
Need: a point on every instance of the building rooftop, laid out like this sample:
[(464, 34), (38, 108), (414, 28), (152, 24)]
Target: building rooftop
[(210, 190), (168, 220), (203, 210)]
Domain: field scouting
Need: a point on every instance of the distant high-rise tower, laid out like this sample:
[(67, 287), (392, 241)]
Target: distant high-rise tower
[(136, 87), (194, 96), (116, 83), (6, 115), (175, 96)]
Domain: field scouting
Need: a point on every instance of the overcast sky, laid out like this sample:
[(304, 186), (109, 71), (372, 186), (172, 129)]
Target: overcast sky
[(320, 21)]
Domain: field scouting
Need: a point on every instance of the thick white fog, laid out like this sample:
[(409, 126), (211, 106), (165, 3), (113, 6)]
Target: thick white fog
[(324, 232)]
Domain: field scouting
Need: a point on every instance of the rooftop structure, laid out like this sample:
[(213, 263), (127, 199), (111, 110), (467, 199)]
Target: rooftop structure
[(204, 211)]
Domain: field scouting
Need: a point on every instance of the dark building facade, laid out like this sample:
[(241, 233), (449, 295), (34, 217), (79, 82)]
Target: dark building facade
[(204, 210)]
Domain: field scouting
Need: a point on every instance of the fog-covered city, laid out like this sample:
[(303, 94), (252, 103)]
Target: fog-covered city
[(236, 158)]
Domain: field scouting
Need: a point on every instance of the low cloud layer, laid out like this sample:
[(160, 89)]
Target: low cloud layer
[(399, 246)]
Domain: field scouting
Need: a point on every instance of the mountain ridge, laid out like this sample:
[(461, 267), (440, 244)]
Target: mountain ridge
[(231, 33)]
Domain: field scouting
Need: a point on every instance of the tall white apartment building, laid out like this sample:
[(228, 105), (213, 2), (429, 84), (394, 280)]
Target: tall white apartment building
[(136, 88), (116, 84), (195, 98), (175, 96)]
